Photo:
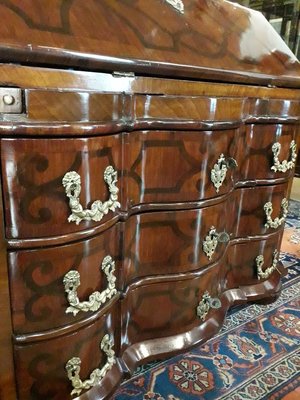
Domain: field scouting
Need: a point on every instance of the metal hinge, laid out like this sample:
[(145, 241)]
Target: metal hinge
[(124, 74), (10, 100)]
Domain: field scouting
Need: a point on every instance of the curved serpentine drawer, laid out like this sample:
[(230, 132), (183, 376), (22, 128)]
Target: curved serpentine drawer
[(266, 151), (41, 366), (172, 305), (175, 242), (43, 282), (242, 265), (177, 169), (260, 210), (154, 244), (35, 201), (164, 167), (177, 306), (185, 240), (153, 167)]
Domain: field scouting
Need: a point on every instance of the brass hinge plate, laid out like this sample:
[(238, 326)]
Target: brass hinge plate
[(121, 74), (10, 100)]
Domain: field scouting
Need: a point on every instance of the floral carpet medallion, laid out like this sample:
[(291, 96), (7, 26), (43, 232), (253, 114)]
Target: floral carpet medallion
[(255, 356), (191, 377)]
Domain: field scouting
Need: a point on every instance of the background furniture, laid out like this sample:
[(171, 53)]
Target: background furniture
[(147, 151)]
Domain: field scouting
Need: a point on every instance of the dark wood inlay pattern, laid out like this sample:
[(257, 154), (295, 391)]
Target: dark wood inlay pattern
[(160, 96), (7, 374), (38, 297), (240, 261), (255, 157), (34, 193), (187, 177), (172, 242), (40, 367), (153, 244), (172, 305), (134, 37), (251, 216), (162, 347)]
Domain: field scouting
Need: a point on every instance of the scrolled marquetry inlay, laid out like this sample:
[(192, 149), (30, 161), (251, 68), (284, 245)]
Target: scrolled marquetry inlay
[(219, 170), (71, 283), (275, 223), (73, 368), (72, 184), (206, 303), (285, 165), (268, 271), (211, 241)]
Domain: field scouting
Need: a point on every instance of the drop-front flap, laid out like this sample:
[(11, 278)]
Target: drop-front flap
[(204, 39)]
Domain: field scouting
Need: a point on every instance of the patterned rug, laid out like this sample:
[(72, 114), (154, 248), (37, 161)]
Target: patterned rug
[(256, 355)]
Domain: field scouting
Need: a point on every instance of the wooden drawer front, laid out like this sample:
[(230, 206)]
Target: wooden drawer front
[(176, 166), (57, 106), (256, 158), (251, 215), (38, 296), (173, 242), (242, 264), (36, 204), (188, 108), (166, 308), (41, 367)]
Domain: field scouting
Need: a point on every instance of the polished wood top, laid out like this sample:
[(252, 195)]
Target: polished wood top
[(205, 39)]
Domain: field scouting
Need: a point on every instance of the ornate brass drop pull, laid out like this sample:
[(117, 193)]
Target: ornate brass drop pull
[(268, 271), (218, 173), (284, 165), (177, 4), (211, 241), (72, 184), (73, 368), (278, 220), (72, 282), (207, 302)]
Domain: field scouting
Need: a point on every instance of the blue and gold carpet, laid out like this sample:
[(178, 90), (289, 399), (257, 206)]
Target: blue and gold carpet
[(256, 355)]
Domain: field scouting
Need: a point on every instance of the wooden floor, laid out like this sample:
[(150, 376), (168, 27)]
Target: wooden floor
[(295, 194), (295, 395)]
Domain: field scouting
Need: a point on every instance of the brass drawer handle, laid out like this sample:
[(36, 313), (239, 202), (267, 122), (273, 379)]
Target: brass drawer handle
[(268, 271), (73, 368), (278, 220), (72, 282), (218, 172), (284, 165), (72, 184), (207, 302), (211, 241)]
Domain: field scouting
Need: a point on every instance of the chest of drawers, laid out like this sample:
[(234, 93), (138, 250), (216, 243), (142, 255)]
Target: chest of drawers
[(144, 191)]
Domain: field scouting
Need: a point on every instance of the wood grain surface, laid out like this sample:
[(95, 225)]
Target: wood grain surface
[(215, 40), (101, 85)]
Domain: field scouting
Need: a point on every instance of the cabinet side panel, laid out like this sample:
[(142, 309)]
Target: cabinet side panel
[(7, 379)]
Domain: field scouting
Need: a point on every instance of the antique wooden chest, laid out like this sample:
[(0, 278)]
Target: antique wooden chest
[(147, 151)]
